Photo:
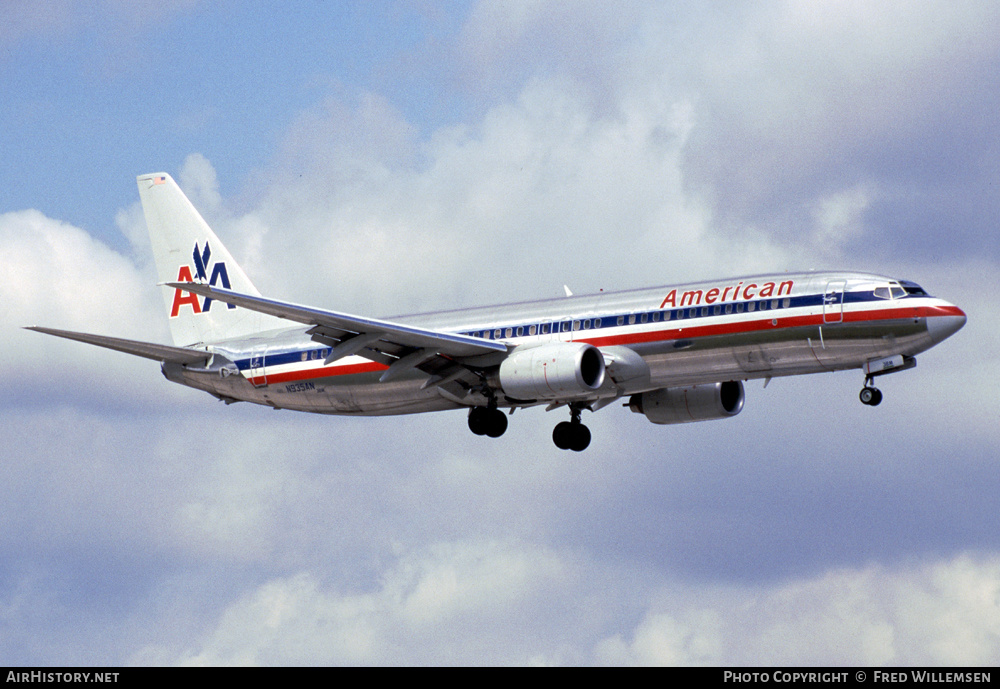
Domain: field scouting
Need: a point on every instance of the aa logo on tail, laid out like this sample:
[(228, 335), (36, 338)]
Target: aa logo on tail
[(202, 263)]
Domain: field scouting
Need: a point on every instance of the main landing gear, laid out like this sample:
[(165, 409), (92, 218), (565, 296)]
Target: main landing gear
[(487, 421), (571, 435), (568, 435), (870, 394)]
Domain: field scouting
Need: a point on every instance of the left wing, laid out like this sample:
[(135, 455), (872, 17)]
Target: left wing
[(400, 347)]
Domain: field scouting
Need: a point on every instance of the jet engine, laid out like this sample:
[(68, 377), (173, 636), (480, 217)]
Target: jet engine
[(558, 370), (691, 403)]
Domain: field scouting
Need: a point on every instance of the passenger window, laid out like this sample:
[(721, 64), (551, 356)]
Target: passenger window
[(774, 303), (510, 332), (739, 307), (704, 310), (680, 315), (520, 330), (545, 328), (576, 325), (751, 306), (631, 319), (643, 318), (656, 317), (729, 309), (531, 330), (786, 303), (621, 320), (586, 324), (717, 309)]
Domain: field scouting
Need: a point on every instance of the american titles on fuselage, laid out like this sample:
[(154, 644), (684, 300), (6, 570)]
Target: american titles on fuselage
[(694, 297)]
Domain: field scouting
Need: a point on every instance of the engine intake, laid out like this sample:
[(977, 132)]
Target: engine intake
[(553, 371), (691, 403)]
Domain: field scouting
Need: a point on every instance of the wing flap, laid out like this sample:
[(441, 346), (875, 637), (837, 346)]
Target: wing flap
[(149, 350)]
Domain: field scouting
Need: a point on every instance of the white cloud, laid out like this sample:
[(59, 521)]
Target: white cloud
[(839, 217), (464, 594), (201, 185), (941, 613), (492, 602), (55, 275), (56, 272)]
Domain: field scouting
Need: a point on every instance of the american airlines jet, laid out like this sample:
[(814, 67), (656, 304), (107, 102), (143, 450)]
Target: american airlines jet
[(674, 354)]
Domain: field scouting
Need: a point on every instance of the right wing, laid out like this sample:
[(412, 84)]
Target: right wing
[(157, 352)]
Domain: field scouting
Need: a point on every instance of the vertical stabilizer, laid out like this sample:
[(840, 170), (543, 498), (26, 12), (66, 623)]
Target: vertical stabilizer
[(186, 250)]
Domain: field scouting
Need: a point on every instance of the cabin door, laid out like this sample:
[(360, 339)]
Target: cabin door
[(833, 301), (257, 374)]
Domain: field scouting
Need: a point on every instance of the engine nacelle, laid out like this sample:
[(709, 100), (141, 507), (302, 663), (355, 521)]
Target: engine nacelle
[(553, 371), (691, 403)]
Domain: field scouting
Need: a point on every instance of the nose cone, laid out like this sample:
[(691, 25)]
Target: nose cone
[(949, 322)]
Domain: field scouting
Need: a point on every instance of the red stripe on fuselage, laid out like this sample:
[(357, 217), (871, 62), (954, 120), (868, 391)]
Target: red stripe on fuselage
[(313, 373), (774, 323), (662, 335)]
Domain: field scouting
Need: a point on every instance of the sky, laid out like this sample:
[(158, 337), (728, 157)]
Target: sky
[(395, 157)]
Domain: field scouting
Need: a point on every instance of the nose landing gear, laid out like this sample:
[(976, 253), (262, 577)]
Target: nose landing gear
[(870, 394)]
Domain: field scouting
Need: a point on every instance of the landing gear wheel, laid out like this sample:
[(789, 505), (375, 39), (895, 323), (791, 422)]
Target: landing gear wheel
[(562, 435), (870, 396), (571, 436), (581, 438), (484, 421), (497, 423), (478, 422)]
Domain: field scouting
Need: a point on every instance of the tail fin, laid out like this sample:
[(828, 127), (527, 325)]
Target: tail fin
[(186, 250)]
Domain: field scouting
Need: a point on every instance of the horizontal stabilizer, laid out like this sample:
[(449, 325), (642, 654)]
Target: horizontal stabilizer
[(157, 352)]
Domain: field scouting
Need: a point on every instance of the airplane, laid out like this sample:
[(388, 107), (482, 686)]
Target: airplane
[(674, 354)]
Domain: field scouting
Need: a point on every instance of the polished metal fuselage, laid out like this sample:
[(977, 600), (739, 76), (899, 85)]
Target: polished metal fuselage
[(735, 329)]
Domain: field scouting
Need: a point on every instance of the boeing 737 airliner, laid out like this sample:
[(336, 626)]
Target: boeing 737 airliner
[(675, 354)]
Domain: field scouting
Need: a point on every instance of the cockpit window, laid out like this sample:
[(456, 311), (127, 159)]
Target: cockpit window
[(913, 289), (893, 290)]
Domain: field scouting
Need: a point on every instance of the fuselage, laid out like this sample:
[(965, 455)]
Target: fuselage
[(681, 335)]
